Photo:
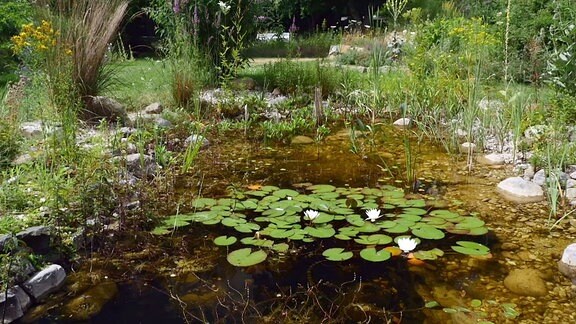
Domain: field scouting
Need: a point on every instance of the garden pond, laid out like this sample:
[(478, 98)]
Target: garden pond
[(241, 247)]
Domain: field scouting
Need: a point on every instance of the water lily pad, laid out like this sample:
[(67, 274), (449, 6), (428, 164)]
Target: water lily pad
[(443, 213), (374, 239), (319, 188), (257, 242), (269, 188), (247, 227), (320, 232), (428, 255), (225, 240), (348, 230), (373, 255), (337, 254), (414, 211), (281, 233), (478, 231), (257, 193), (343, 237), (203, 203), (231, 222), (355, 220), (280, 247), (428, 232), (323, 218), (343, 211), (398, 228), (387, 224), (469, 223), (175, 222), (368, 227), (372, 192), (246, 257), (283, 193), (470, 248)]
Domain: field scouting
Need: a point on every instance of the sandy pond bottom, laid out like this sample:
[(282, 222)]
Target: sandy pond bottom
[(185, 278)]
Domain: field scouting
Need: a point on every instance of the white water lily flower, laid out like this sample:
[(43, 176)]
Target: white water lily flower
[(311, 214), (407, 244), (373, 214)]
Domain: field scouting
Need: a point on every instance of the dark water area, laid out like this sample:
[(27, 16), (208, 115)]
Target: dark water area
[(185, 278)]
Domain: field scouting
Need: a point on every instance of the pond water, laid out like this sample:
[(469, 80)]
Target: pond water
[(185, 278)]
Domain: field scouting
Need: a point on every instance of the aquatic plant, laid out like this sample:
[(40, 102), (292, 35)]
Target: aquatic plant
[(273, 219)]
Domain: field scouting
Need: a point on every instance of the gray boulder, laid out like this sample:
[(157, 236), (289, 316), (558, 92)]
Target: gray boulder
[(14, 303), (46, 281), (37, 238), (526, 282), (153, 108), (31, 129), (100, 107), (519, 190)]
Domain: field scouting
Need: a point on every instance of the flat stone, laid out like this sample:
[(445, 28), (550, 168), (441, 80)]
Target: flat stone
[(300, 139), (526, 282), (14, 303), (467, 147), (519, 190), (45, 281), (539, 177)]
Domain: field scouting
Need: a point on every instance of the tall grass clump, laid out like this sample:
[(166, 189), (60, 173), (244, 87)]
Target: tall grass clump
[(9, 132)]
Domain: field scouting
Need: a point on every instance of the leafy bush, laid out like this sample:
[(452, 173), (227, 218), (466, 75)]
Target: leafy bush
[(13, 14)]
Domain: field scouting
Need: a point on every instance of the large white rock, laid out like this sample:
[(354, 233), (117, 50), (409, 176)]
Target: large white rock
[(567, 265), (493, 159), (519, 190), (46, 281), (403, 122)]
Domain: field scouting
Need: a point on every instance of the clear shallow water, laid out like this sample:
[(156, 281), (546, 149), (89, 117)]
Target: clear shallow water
[(184, 277)]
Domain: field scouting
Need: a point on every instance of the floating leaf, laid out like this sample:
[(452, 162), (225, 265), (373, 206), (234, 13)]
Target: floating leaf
[(323, 218), (428, 232), (398, 228), (369, 227), (442, 213), (320, 232), (449, 310), (355, 220), (374, 239), (469, 223), (257, 193), (283, 193), (373, 255), (322, 188), (281, 233), (201, 203), (225, 240), (337, 254), (415, 211), (280, 247), (269, 188), (470, 248), (247, 227), (478, 231), (431, 304), (245, 257), (342, 237), (428, 255), (231, 222), (257, 242)]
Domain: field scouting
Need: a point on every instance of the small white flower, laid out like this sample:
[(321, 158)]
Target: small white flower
[(311, 214), (373, 214), (224, 7), (407, 244)]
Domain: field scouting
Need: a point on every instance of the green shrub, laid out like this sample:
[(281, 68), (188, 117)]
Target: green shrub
[(13, 14)]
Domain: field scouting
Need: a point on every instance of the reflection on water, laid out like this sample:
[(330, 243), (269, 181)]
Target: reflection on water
[(185, 278)]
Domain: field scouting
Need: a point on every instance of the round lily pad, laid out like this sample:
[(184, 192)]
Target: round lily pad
[(355, 220), (470, 248), (443, 213), (415, 211), (225, 240), (319, 188), (373, 255), (320, 232), (246, 257), (283, 193), (337, 254), (280, 247), (323, 218), (374, 239), (202, 203), (428, 232), (469, 223), (257, 242), (161, 230)]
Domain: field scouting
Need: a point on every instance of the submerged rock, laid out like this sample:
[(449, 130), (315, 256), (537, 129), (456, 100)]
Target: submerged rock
[(519, 190), (494, 159), (300, 139), (526, 282), (90, 303), (567, 265)]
